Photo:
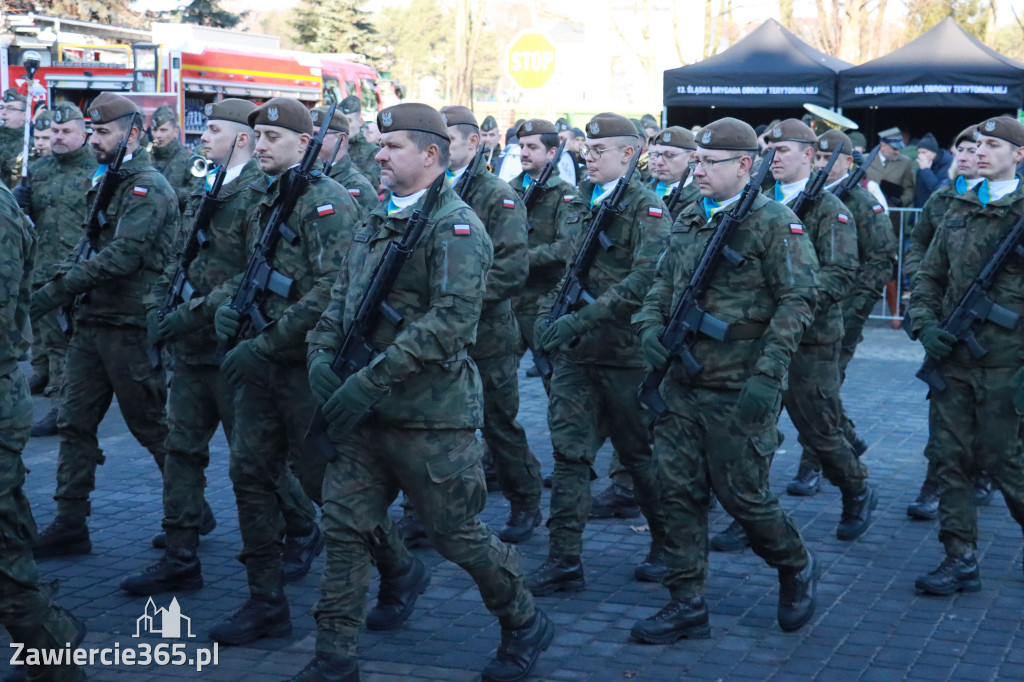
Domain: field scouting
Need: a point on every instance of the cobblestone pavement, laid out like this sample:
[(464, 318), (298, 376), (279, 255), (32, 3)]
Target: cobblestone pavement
[(870, 623)]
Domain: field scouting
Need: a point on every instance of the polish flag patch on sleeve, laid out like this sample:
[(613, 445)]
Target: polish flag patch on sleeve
[(655, 212), (325, 210), (508, 203), (462, 230), (354, 192), (796, 228), (568, 197), (140, 191), (877, 208), (843, 218)]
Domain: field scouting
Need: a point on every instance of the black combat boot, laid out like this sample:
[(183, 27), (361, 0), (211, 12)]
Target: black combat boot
[(560, 573), (329, 668), (264, 615), (549, 481), (299, 552), (732, 539), (520, 525), (65, 536), (797, 595), (616, 501), (807, 482), (652, 569), (37, 383), (982, 489), (46, 426), (206, 526), (397, 597), (857, 508), (679, 619), (412, 531), (519, 649), (859, 446), (956, 573), (926, 506), (177, 571)]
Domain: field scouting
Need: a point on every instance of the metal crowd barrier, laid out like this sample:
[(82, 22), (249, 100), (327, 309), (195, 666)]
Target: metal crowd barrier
[(905, 219)]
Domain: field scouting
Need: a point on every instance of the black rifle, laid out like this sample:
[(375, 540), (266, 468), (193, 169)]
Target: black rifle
[(673, 198), (355, 351), (811, 194), (96, 223), (689, 319), (533, 191), (465, 183), (976, 308), (576, 291), (853, 179), (260, 275), (328, 165)]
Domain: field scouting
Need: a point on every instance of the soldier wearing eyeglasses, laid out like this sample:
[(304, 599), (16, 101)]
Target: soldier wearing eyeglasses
[(12, 135), (670, 155)]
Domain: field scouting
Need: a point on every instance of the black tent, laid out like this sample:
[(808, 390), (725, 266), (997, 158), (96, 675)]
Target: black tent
[(770, 69)]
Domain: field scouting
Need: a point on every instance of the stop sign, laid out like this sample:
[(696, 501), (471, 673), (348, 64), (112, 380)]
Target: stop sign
[(531, 60)]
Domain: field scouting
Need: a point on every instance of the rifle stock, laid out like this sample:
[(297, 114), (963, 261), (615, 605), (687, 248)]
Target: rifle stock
[(854, 178)]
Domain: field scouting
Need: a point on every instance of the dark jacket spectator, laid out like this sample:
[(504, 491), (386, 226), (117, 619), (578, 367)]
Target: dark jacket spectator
[(933, 169)]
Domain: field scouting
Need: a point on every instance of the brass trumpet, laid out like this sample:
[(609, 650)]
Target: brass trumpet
[(200, 166)]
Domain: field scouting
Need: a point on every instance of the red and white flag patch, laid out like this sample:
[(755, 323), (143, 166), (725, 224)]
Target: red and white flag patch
[(655, 212), (796, 228), (877, 208), (462, 230), (354, 192), (508, 203), (568, 197), (325, 210), (140, 191), (843, 218)]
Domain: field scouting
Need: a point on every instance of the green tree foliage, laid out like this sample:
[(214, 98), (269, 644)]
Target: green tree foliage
[(333, 26), (975, 16), (208, 13)]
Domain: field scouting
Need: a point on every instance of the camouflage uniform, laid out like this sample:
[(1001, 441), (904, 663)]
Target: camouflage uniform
[(60, 183), (174, 161), (107, 355), (687, 195), (200, 397), (362, 154), (359, 188), (26, 607), (701, 444), (973, 424), (421, 436), (12, 143), (593, 387), (273, 411)]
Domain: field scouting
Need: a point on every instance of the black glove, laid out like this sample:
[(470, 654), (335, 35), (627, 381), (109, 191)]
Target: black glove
[(23, 195)]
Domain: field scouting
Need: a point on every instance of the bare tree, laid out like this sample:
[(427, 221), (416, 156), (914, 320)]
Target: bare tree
[(469, 23)]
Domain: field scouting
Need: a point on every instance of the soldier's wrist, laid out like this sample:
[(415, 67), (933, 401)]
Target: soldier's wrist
[(770, 367)]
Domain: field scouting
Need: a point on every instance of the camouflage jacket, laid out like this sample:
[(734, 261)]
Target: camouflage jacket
[(17, 251), (225, 255), (60, 185), (362, 153), (439, 293), (833, 232), (924, 229), (687, 195), (550, 238), (966, 238), (876, 245), (12, 142), (359, 188), (174, 161), (504, 218), (769, 299), (324, 218), (620, 276), (131, 251)]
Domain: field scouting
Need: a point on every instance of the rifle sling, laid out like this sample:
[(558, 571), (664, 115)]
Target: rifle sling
[(747, 331)]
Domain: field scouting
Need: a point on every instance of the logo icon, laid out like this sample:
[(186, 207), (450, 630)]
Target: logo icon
[(594, 128), (824, 144), (385, 118), (272, 113), (208, 110), (668, 137), (528, 125), (990, 126), (58, 116), (94, 113), (166, 622), (777, 131), (707, 137), (316, 117)]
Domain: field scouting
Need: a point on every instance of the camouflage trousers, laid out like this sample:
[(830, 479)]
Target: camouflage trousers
[(200, 400), (973, 425), (271, 417), (587, 402), (813, 403), (49, 353), (701, 447), (440, 471), (105, 361), (26, 607)]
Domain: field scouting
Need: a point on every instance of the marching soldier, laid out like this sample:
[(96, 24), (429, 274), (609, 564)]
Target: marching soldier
[(41, 135), (361, 151), (670, 153), (13, 115), (425, 396), (975, 422), (273, 401), (491, 136), (170, 156), (343, 171), (593, 387), (720, 430), (56, 200), (107, 354)]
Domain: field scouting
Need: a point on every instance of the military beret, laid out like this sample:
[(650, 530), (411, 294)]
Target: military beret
[(283, 112), (831, 140), (562, 124), (413, 116), (12, 95), (234, 110), (675, 136), (577, 132), (1003, 127), (489, 124), (109, 107), (858, 139), (610, 125), (66, 111), (43, 120), (892, 137), (967, 134), (163, 114), (640, 130), (727, 133), (338, 122), (648, 121), (791, 130), (535, 126), (350, 105), (455, 115)]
